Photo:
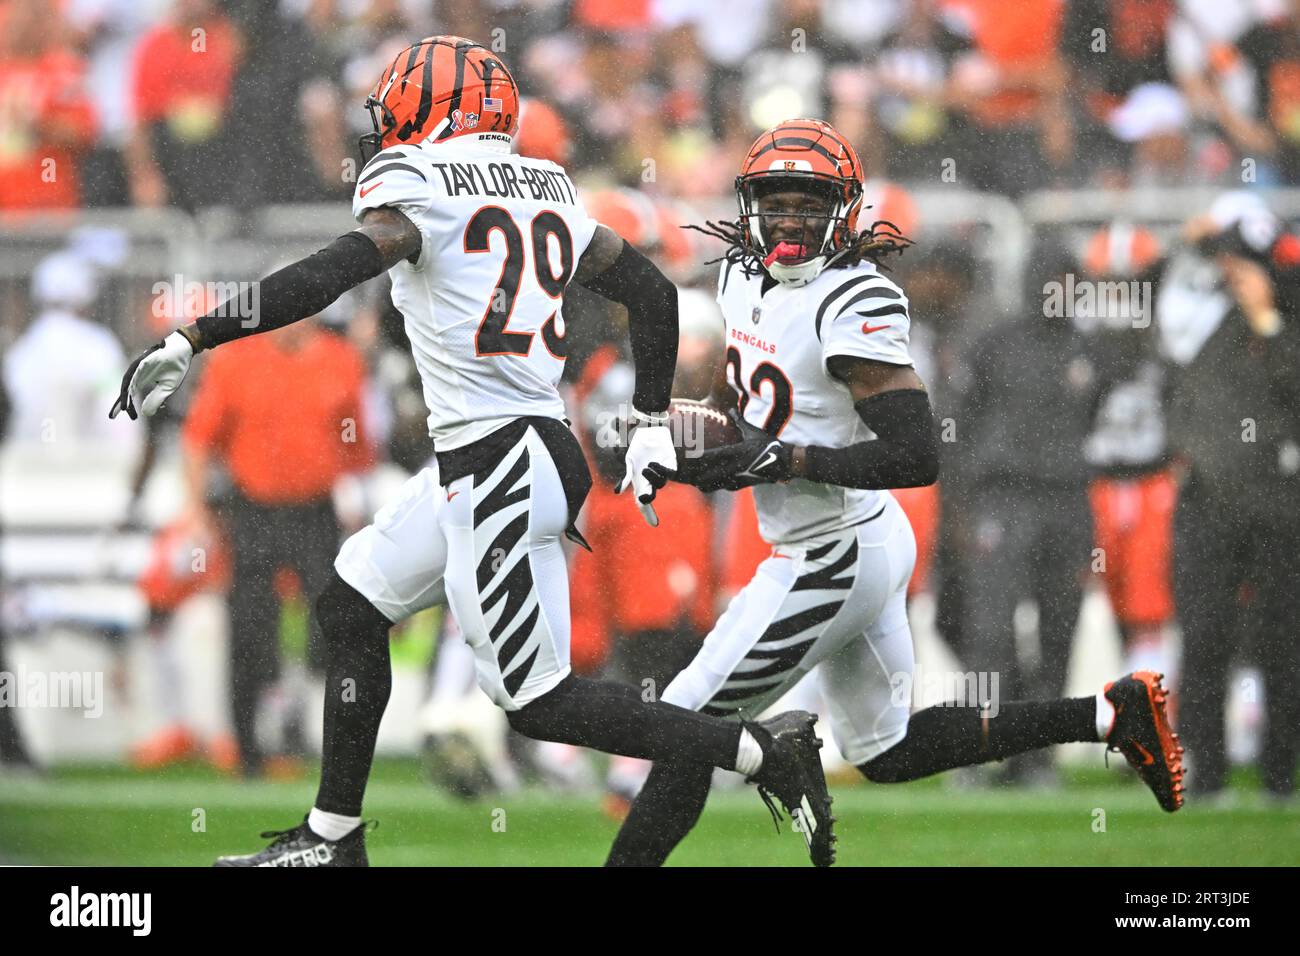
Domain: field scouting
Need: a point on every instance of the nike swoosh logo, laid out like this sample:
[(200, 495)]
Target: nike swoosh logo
[(867, 327), (452, 494), (371, 188), (1149, 759), (771, 457)]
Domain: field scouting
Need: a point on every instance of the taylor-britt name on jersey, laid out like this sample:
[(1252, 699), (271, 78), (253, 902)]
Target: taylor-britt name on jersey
[(468, 179)]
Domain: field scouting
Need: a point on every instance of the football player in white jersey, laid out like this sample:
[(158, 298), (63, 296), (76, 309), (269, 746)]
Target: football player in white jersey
[(818, 377), (481, 244)]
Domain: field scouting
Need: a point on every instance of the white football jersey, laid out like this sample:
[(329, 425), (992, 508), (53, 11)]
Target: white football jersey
[(501, 235), (778, 343)]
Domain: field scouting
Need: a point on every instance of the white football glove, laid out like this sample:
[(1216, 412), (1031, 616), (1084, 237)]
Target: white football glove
[(651, 461), (154, 375)]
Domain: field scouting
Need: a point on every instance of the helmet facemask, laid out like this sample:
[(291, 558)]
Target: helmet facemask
[(798, 224), (370, 144)]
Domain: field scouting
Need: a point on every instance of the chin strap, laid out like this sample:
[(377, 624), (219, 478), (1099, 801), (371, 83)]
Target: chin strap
[(797, 274)]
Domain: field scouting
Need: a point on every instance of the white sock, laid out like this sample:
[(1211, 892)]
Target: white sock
[(1105, 716), (750, 755), (331, 826)]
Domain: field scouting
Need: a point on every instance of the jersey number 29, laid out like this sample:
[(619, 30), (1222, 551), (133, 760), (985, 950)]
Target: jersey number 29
[(492, 337)]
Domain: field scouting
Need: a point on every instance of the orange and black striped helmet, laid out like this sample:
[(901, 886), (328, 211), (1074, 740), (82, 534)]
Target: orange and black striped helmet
[(810, 156), (441, 88)]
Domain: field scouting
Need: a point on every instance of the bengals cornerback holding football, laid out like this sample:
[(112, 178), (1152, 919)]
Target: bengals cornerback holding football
[(813, 329), (818, 378)]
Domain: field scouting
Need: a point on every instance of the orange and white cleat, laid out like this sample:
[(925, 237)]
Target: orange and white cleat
[(1142, 733)]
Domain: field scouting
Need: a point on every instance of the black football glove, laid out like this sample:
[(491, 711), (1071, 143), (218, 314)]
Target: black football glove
[(756, 459)]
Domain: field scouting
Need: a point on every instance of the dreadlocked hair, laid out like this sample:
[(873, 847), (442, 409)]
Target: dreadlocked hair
[(738, 251), (875, 242)]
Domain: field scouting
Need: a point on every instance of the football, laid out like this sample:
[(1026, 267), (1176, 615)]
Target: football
[(697, 427)]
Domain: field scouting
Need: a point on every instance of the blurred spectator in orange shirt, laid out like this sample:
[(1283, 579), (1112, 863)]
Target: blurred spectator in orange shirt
[(643, 597), (181, 79), (46, 118), (1014, 88), (282, 412), (613, 15)]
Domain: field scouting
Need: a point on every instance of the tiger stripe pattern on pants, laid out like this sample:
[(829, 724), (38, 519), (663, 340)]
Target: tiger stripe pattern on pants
[(836, 602)]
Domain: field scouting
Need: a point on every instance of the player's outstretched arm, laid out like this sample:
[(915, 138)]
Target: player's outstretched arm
[(615, 270), (297, 291)]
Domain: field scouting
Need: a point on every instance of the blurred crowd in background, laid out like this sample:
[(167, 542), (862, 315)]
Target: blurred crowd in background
[(1106, 92), (1149, 447)]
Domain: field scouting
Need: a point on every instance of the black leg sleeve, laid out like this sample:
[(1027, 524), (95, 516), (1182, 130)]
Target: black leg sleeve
[(358, 680), (665, 811), (940, 738), (613, 718)]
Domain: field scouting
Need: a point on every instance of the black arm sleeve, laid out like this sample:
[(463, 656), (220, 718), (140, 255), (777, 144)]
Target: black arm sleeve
[(634, 281), (905, 453), (295, 292)]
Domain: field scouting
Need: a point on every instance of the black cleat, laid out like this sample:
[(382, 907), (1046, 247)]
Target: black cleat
[(1142, 733), (301, 847), (792, 772)]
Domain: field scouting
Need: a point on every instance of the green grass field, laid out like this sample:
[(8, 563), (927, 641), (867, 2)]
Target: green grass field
[(109, 816)]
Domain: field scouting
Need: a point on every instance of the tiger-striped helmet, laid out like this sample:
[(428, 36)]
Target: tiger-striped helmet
[(442, 88), (807, 156)]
